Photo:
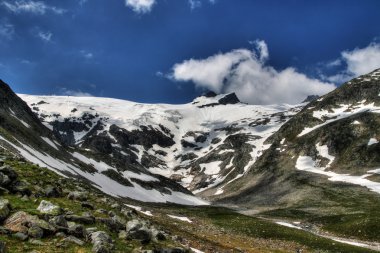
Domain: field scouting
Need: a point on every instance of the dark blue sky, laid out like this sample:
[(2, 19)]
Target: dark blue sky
[(104, 48)]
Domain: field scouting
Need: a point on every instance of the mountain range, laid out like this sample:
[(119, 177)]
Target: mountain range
[(317, 161)]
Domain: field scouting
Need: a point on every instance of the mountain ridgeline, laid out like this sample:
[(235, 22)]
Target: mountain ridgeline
[(216, 147)]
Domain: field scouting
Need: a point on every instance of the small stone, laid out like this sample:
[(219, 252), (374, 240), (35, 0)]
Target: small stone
[(5, 209), (60, 234), (58, 221), (76, 195), (101, 242), (35, 232), (49, 208), (91, 230), (21, 236), (36, 242), (25, 198), (4, 231), (52, 192), (73, 239), (115, 206), (87, 205), (123, 235), (3, 247), (76, 230), (138, 231), (81, 219)]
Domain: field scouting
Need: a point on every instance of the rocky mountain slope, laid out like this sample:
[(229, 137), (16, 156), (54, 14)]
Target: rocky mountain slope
[(333, 140), (23, 133), (203, 145)]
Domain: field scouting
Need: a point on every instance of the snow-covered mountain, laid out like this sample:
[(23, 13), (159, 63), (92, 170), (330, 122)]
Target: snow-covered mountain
[(22, 133), (203, 145)]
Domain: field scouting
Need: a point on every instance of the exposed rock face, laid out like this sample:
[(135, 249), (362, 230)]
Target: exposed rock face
[(229, 99), (331, 143)]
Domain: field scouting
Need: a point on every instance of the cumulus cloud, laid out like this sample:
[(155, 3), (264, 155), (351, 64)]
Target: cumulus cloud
[(74, 93), (7, 30), (244, 71), (357, 62), (28, 6), (140, 6)]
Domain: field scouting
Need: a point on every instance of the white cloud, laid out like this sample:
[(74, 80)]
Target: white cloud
[(195, 4), (28, 6), (74, 93), (244, 71), (357, 62), (45, 36), (7, 30), (86, 54), (82, 2), (140, 6)]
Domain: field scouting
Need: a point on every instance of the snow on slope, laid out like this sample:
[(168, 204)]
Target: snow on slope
[(199, 117), (99, 180), (306, 163), (343, 111)]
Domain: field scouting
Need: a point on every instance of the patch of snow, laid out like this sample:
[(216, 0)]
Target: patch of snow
[(285, 224), (372, 141), (196, 250), (339, 113), (306, 163), (356, 123), (48, 141), (181, 218), (211, 168), (351, 242), (141, 176), (139, 209)]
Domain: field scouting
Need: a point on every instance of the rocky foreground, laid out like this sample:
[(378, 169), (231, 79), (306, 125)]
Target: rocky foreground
[(41, 211)]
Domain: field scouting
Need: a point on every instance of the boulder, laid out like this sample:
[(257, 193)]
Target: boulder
[(101, 241), (114, 224), (20, 236), (81, 219), (76, 195), (35, 232), (73, 239), (58, 221), (52, 192), (15, 222), (4, 180), (137, 230), (76, 230), (9, 172), (47, 207), (5, 209)]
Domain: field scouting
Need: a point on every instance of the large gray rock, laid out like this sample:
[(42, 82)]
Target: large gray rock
[(81, 219), (5, 209), (35, 232), (47, 207), (101, 241), (52, 192), (76, 230), (73, 239), (137, 230), (59, 221)]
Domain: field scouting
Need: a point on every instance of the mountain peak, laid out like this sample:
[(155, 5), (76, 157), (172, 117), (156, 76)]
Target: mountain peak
[(212, 99)]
